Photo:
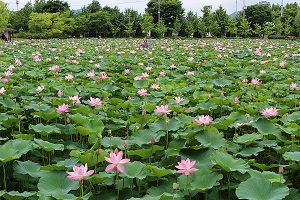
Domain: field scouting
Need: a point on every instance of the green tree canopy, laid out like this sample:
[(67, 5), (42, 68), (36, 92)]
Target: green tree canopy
[(54, 6), (4, 16), (169, 11), (94, 6), (258, 14)]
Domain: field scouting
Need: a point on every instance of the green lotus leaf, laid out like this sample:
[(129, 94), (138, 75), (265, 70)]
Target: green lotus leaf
[(270, 176), (15, 195), (113, 142), (79, 118), (145, 153), (9, 103), (48, 146), (70, 91), (293, 117), (100, 177), (202, 180), (261, 189), (229, 163), (211, 138), (161, 125), (249, 151), (248, 138), (141, 84), (28, 167), (47, 114), (294, 156), (293, 195), (57, 185), (266, 127), (93, 126), (14, 149), (134, 170), (158, 172), (202, 156), (141, 137), (45, 129)]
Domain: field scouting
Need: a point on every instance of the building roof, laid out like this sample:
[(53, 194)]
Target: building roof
[(9, 29)]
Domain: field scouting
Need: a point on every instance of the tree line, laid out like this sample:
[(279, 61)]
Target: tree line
[(54, 18)]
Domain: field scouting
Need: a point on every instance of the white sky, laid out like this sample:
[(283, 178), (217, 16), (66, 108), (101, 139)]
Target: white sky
[(140, 5)]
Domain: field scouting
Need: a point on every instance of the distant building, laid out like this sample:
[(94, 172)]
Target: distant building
[(264, 3), (8, 34)]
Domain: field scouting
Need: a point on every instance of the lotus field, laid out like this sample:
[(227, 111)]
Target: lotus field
[(184, 119)]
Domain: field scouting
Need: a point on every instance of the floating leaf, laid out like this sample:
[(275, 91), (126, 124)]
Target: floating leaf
[(228, 163), (258, 189), (134, 170), (48, 146), (45, 129), (294, 156), (211, 138), (55, 184), (248, 138)]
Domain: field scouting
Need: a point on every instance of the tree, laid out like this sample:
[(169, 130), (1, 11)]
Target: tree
[(132, 22), (147, 24), (278, 26), (258, 14), (269, 28), (161, 29), (129, 27), (257, 30), (98, 23), (19, 19), (38, 6), (201, 28), (207, 18), (54, 6), (190, 25), (287, 26), (244, 28), (231, 26), (170, 10), (40, 22), (177, 26), (221, 18), (289, 13), (94, 6), (4, 16), (116, 19), (297, 22)]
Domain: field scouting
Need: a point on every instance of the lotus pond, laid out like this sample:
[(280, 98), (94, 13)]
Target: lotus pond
[(184, 119)]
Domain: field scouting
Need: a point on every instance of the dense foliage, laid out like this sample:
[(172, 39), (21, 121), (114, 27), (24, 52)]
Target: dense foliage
[(95, 21), (200, 119)]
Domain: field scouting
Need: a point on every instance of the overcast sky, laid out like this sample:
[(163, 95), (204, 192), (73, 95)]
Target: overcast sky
[(140, 5)]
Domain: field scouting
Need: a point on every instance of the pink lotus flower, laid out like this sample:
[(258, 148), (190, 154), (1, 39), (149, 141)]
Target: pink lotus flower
[(2, 90), (90, 74), (178, 100), (69, 77), (293, 86), (64, 108), (53, 68), (282, 64), (155, 86), (162, 73), (8, 73), (142, 92), (160, 110), (79, 172), (127, 71), (95, 102), (245, 80), (255, 81), (75, 99), (115, 158), (236, 100), (203, 120), (185, 167), (59, 93), (270, 112), (40, 88)]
